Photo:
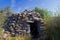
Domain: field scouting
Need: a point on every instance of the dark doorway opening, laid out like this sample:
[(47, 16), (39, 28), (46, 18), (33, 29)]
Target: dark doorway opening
[(34, 29)]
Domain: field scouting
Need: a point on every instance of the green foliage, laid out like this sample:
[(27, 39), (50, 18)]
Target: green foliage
[(43, 12), (53, 27), (52, 23), (8, 10), (3, 18)]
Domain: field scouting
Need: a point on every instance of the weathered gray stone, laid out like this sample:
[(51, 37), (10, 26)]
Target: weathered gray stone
[(21, 23)]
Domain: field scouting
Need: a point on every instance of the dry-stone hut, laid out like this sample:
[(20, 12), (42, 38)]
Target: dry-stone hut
[(26, 22)]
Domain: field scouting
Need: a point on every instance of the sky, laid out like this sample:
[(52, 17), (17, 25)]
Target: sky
[(20, 5)]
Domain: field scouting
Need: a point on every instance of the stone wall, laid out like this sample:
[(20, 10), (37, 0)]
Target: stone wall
[(19, 24)]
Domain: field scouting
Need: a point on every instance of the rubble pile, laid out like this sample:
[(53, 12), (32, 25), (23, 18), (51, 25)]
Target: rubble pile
[(20, 23)]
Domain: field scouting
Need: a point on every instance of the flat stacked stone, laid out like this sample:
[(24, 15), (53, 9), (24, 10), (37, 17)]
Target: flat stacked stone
[(19, 24)]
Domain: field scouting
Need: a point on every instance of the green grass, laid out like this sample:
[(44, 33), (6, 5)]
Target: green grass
[(1, 29)]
